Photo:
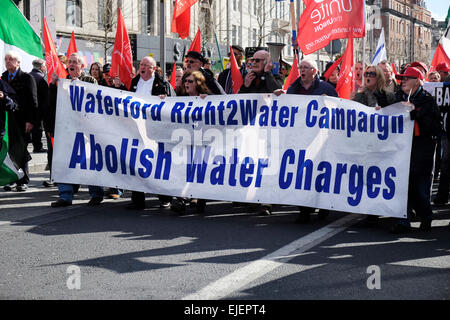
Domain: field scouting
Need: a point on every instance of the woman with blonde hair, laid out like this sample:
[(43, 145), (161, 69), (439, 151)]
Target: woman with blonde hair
[(373, 92)]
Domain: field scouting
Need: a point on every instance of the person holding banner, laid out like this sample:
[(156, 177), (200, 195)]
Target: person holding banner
[(427, 129), (309, 83), (66, 191), (373, 92), (193, 84), (194, 61), (148, 82)]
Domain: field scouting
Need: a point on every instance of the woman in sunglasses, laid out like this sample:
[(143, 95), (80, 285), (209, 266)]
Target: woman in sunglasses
[(193, 83), (373, 93)]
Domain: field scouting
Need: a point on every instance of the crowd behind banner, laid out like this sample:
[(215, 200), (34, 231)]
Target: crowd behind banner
[(35, 101)]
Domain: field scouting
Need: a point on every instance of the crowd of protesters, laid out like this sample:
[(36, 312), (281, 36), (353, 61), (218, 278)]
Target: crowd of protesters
[(32, 99)]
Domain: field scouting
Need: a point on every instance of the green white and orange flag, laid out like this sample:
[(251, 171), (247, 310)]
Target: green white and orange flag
[(8, 171), (17, 34)]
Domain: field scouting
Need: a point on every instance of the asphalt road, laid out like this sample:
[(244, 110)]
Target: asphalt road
[(228, 253)]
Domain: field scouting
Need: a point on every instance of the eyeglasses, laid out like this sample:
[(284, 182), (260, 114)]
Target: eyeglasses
[(235, 54), (305, 68), (190, 61), (256, 60), (371, 74), (188, 81)]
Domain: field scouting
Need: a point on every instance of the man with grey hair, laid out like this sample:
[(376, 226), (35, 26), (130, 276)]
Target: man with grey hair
[(75, 66), (309, 84), (26, 117)]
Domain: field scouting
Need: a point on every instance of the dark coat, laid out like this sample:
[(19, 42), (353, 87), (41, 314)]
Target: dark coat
[(317, 88), (372, 99), (160, 86), (212, 83), (266, 83), (223, 76), (428, 120), (25, 87), (42, 92)]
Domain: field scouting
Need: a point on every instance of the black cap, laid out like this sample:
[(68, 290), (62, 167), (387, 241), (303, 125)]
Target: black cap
[(196, 55), (238, 48), (106, 67)]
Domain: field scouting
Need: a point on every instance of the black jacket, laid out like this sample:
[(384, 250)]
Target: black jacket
[(42, 92), (223, 76), (266, 83), (428, 128), (160, 86), (25, 88)]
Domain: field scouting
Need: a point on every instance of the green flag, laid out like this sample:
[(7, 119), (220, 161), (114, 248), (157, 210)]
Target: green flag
[(448, 16), (8, 171), (17, 34)]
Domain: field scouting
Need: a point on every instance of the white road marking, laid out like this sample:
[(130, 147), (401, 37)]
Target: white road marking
[(439, 262), (238, 279)]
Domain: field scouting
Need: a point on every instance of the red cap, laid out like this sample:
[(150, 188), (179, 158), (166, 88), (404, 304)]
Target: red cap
[(443, 66), (410, 72), (420, 64)]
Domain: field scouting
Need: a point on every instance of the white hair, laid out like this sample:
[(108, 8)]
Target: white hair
[(14, 54), (312, 63)]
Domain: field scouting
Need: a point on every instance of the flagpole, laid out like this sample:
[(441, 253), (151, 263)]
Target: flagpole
[(162, 38)]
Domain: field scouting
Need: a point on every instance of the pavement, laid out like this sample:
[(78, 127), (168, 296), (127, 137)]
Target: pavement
[(38, 161)]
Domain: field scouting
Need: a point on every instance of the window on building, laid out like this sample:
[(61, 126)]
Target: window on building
[(148, 18), (73, 13), (234, 34), (255, 7), (254, 36)]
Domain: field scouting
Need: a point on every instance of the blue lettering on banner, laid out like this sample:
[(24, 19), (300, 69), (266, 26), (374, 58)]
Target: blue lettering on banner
[(357, 175)]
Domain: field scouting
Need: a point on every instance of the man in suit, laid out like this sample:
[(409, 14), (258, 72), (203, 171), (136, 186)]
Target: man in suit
[(25, 87), (149, 83)]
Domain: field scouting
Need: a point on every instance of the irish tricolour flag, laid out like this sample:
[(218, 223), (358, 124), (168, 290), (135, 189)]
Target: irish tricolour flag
[(18, 35)]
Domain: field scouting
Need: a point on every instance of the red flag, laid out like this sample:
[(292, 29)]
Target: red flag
[(72, 46), (344, 85), (236, 75), (173, 77), (122, 57), (51, 57), (293, 74), (196, 44), (394, 69), (326, 20), (439, 56), (181, 20), (333, 67)]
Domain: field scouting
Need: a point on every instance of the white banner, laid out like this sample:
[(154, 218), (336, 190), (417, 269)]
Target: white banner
[(315, 151)]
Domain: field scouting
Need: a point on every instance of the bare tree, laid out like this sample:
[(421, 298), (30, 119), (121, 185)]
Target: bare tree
[(265, 21)]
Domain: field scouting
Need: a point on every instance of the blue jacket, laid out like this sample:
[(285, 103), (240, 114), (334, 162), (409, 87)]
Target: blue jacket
[(317, 88)]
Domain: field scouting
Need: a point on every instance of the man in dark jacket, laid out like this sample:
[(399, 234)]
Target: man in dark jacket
[(426, 131), (225, 76), (42, 96), (149, 83), (260, 78), (309, 84), (66, 191), (26, 117), (194, 61)]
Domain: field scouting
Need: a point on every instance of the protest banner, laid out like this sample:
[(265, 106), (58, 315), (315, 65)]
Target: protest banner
[(316, 151)]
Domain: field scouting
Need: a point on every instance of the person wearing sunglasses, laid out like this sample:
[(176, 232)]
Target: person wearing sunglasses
[(373, 93), (193, 84), (194, 61), (427, 129), (260, 79)]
